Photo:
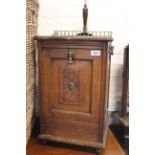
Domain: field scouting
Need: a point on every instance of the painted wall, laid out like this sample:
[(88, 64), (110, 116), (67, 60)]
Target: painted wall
[(104, 15)]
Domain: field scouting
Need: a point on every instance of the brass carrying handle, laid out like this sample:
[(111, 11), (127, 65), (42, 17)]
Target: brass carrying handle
[(70, 56)]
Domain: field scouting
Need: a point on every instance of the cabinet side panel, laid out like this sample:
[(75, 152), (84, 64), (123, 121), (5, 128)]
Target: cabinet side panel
[(107, 84)]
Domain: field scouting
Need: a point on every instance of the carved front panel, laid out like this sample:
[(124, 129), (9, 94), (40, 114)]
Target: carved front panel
[(71, 94), (70, 86)]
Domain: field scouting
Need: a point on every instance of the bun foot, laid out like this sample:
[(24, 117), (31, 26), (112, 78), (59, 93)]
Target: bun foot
[(98, 151), (44, 141)]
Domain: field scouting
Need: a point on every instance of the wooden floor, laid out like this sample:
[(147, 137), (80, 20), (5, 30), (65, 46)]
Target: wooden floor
[(35, 147)]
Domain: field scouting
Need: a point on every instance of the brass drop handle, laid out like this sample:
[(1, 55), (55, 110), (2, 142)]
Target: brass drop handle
[(111, 49), (70, 56)]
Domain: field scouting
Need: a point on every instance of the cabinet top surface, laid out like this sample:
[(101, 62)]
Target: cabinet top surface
[(78, 38)]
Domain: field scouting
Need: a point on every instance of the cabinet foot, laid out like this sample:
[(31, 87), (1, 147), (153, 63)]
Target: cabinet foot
[(44, 141), (98, 151)]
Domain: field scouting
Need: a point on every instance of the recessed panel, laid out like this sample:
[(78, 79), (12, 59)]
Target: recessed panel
[(73, 91)]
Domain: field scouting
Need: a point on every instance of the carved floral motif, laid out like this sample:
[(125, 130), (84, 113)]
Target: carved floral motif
[(70, 86)]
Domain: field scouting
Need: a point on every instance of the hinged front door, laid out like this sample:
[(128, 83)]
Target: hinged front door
[(71, 92)]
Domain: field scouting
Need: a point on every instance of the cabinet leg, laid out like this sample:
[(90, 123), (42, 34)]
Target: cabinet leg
[(98, 151), (44, 141)]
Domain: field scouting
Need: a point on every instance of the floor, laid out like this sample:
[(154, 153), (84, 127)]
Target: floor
[(35, 147)]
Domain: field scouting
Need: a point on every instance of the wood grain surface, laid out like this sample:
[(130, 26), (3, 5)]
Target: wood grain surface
[(74, 89)]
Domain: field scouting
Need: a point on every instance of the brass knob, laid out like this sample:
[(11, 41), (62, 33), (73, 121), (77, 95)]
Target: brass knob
[(71, 85)]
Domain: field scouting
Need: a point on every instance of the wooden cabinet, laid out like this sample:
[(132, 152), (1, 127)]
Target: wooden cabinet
[(74, 88)]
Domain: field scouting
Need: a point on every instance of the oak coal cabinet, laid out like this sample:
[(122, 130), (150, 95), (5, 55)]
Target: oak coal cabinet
[(74, 86)]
